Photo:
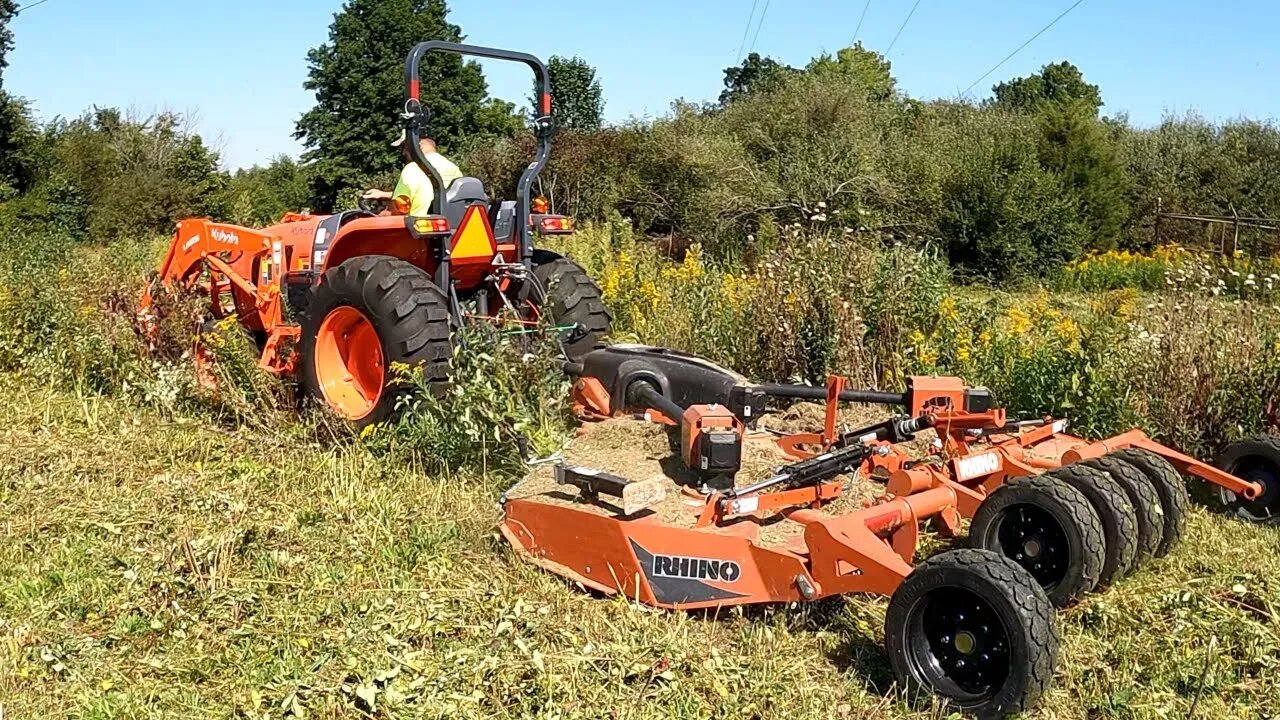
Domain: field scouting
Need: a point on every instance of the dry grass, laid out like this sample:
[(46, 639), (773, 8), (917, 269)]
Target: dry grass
[(153, 569)]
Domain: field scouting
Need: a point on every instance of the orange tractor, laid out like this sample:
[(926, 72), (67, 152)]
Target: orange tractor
[(338, 299)]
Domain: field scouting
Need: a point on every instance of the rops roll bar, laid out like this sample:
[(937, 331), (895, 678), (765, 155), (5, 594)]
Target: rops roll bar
[(417, 117)]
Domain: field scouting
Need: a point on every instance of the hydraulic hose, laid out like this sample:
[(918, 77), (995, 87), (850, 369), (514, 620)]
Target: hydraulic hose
[(644, 394)]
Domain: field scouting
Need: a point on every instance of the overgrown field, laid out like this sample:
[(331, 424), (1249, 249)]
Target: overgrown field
[(167, 553)]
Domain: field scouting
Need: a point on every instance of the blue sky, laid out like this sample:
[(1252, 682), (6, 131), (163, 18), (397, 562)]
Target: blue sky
[(238, 65)]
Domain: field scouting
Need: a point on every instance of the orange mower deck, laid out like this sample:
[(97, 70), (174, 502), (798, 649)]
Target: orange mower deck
[(717, 557)]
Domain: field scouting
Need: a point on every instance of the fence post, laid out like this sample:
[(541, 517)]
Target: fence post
[(1159, 212), (1235, 239)]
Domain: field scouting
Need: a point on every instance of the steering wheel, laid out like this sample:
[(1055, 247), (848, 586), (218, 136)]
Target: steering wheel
[(373, 206)]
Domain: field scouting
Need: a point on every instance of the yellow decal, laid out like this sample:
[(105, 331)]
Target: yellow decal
[(474, 239)]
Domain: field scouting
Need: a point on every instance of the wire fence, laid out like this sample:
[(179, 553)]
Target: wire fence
[(1224, 234)]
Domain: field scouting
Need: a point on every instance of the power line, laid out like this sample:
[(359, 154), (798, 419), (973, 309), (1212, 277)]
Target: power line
[(746, 30), (759, 25), (861, 17), (900, 29), (1020, 47), (24, 8)]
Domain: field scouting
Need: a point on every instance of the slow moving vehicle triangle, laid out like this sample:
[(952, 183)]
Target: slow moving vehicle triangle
[(473, 243)]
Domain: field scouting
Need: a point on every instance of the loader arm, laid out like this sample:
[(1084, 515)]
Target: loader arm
[(196, 242), (246, 262)]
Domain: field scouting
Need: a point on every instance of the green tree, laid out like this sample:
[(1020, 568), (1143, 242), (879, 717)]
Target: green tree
[(8, 9), (19, 136), (358, 80), (261, 195), (1078, 149), (867, 68), (1056, 83), (17, 128), (755, 74), (577, 101), (130, 176)]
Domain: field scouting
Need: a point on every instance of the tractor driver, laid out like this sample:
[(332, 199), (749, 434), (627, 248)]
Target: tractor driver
[(413, 193)]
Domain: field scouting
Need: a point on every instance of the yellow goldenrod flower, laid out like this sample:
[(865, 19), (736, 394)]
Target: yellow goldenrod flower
[(947, 309), (1019, 321), (1069, 332), (963, 347), (649, 292)]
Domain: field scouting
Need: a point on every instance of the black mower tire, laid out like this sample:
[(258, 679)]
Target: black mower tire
[(1077, 528), (1119, 520), (1142, 495), (1012, 662), (1258, 459), (1171, 488), (573, 300), (407, 309)]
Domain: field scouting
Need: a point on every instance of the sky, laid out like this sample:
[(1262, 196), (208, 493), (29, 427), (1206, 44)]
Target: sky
[(237, 66)]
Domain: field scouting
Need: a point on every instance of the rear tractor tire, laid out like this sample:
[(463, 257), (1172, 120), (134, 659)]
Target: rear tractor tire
[(1256, 459), (367, 314), (573, 303), (1047, 528), (975, 629)]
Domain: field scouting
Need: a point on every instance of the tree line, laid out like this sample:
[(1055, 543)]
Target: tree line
[(109, 174), (1007, 187)]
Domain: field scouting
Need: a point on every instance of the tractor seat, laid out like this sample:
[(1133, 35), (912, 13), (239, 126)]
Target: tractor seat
[(502, 218), (462, 194)]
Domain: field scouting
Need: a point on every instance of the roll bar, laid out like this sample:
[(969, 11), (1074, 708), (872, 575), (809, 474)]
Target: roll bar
[(417, 116)]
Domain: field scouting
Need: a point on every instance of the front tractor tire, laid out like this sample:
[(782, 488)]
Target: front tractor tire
[(366, 315), (572, 303)]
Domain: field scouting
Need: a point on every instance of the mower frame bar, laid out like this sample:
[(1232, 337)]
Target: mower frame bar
[(1184, 463), (810, 392), (416, 118)]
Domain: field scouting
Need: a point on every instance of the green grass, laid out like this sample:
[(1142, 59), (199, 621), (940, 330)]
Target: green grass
[(152, 568)]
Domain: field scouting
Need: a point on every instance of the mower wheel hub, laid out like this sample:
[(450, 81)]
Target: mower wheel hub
[(1032, 548)]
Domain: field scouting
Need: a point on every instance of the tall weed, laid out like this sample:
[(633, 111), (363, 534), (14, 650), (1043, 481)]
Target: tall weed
[(507, 397)]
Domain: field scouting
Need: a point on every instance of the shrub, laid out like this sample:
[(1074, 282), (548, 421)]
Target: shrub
[(818, 303), (58, 323)]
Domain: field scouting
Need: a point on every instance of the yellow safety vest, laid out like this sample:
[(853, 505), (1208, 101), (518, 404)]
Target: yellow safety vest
[(415, 185)]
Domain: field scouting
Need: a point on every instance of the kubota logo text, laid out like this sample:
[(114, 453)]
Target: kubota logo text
[(696, 568), (226, 236)]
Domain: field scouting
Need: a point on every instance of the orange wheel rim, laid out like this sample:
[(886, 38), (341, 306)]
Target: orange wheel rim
[(349, 365)]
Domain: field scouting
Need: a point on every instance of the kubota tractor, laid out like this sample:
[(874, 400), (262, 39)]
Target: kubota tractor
[(339, 298)]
